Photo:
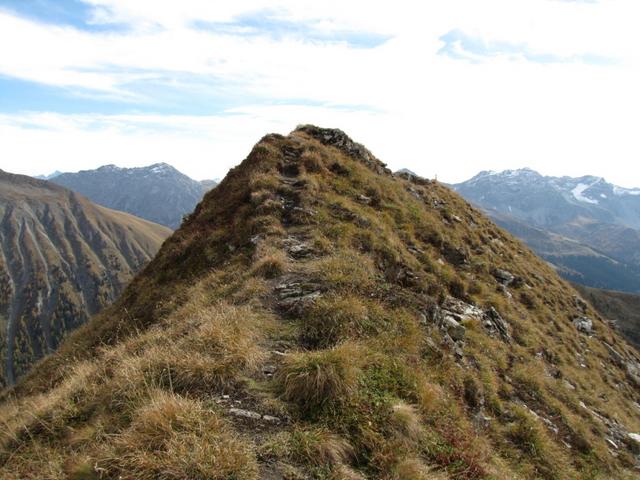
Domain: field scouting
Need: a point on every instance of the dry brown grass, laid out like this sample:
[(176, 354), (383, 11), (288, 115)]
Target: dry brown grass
[(175, 438), (385, 396), (321, 448), (271, 265), (346, 270), (335, 318), (529, 436), (407, 422), (414, 469), (312, 380)]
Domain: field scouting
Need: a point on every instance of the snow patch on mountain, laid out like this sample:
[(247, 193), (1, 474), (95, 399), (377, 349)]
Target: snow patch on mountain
[(625, 191), (161, 168), (577, 193)]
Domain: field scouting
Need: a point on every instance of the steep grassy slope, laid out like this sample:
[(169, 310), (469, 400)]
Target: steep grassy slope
[(318, 317), (62, 259), (619, 307)]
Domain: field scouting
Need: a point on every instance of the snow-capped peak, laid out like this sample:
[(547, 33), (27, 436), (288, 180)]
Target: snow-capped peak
[(160, 167), (110, 167), (512, 174)]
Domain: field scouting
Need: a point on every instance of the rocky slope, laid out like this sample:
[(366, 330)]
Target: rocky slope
[(158, 193), (62, 260), (319, 317), (602, 220)]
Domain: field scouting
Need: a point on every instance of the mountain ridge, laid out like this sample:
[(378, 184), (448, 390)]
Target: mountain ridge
[(157, 192), (317, 316)]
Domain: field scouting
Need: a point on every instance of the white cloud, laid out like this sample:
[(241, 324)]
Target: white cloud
[(422, 110)]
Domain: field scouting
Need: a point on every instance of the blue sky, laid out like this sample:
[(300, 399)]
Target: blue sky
[(450, 87)]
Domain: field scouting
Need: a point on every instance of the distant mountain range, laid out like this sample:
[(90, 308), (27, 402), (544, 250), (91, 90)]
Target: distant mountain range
[(623, 309), (62, 259), (50, 176), (158, 193), (588, 228)]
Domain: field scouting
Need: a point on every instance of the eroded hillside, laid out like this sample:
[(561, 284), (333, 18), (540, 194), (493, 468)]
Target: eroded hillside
[(319, 317), (62, 260)]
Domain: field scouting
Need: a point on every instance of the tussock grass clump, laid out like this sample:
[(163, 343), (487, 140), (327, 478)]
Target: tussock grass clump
[(335, 318), (315, 450), (531, 378), (346, 270), (271, 265), (313, 380), (228, 333), (407, 422), (320, 447), (179, 439), (528, 300), (413, 468)]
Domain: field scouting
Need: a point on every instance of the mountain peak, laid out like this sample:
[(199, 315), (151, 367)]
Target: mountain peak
[(513, 175), (108, 167), (162, 168), (156, 192), (519, 172), (335, 137)]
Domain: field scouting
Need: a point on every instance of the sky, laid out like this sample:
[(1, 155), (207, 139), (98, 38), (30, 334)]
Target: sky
[(445, 88)]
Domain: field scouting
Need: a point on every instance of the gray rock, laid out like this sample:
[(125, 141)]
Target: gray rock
[(633, 373), (583, 324), (269, 370), (616, 356), (455, 330), (635, 437), (301, 250), (461, 311), (297, 305), (494, 321), (364, 199), (455, 255), (503, 276), (240, 412), (296, 246), (338, 139)]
